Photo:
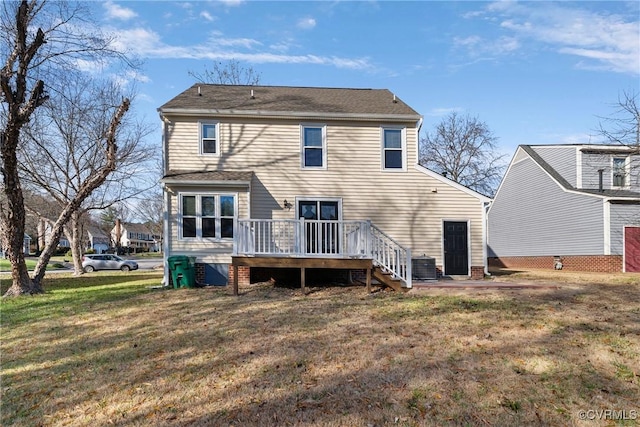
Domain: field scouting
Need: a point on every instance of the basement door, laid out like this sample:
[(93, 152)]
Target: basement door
[(456, 248), (632, 249), (321, 237)]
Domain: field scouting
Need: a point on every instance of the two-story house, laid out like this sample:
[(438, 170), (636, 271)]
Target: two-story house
[(134, 237), (574, 207), (303, 177)]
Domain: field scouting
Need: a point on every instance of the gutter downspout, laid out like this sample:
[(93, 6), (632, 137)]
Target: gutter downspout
[(485, 234), (418, 127), (166, 249)]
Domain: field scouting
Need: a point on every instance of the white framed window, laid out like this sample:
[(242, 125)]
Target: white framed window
[(394, 148), (209, 139), (313, 146), (619, 169), (209, 216)]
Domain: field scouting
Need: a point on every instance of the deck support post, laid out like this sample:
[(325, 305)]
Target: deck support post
[(235, 279), (301, 263)]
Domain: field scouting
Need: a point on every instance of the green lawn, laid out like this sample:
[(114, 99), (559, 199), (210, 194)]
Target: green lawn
[(109, 349), (5, 265)]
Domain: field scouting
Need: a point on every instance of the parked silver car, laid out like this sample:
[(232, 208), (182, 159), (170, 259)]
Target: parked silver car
[(93, 262)]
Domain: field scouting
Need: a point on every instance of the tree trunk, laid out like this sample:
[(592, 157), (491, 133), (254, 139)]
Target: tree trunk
[(75, 240), (20, 104), (13, 219), (42, 229)]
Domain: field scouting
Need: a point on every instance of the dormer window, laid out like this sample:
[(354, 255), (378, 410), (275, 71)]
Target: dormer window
[(619, 170)]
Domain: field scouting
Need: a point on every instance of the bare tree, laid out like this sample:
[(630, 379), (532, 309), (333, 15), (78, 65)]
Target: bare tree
[(150, 207), (464, 149), (228, 73), (40, 41), (64, 148), (623, 126), (150, 210)]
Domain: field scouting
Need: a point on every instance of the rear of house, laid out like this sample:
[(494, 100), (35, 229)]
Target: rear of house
[(278, 154)]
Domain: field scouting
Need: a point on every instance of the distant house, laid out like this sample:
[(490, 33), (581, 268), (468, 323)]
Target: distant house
[(97, 240), (135, 237), (63, 242), (262, 177), (26, 246), (575, 207)]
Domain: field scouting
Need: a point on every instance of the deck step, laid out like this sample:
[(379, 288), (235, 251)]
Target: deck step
[(386, 279)]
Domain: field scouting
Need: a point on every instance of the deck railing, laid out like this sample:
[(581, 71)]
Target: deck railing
[(320, 238), (391, 255)]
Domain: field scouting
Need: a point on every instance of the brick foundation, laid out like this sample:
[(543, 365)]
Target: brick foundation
[(244, 275), (477, 272), (591, 263), (199, 267)]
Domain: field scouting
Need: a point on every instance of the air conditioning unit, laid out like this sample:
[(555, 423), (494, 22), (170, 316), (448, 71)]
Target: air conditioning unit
[(423, 268)]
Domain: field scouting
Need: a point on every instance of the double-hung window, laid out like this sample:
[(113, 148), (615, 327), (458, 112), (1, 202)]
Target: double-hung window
[(314, 146), (209, 141), (393, 148), (207, 216), (619, 171)]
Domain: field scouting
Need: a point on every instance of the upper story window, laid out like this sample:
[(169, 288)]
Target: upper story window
[(209, 138), (207, 216), (393, 148), (619, 170), (314, 146)]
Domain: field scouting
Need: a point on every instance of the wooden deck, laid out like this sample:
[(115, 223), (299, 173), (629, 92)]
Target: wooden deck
[(301, 243), (301, 263)]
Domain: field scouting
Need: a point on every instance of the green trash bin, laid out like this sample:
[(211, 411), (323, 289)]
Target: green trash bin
[(183, 272)]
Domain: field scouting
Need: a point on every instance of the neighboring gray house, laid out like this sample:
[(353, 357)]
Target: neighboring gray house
[(97, 240), (574, 207)]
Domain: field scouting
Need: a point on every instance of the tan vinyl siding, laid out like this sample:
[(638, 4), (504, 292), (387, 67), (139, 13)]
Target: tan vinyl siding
[(401, 203), (205, 250)]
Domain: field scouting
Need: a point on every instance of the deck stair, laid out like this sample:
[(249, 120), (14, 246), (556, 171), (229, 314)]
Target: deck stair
[(386, 278)]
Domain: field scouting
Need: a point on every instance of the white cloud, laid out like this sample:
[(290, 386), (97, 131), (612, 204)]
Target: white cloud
[(306, 23), (206, 15), (129, 77), (118, 12), (146, 43), (478, 46), (603, 40), (242, 42), (443, 111), (280, 47), (231, 2)]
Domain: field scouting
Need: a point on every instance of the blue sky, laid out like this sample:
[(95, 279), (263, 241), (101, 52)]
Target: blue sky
[(535, 72)]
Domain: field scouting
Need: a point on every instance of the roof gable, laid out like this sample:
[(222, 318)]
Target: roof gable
[(562, 182)]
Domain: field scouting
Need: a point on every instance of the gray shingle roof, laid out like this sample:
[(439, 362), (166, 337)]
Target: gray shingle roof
[(616, 193), (206, 176), (281, 99)]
